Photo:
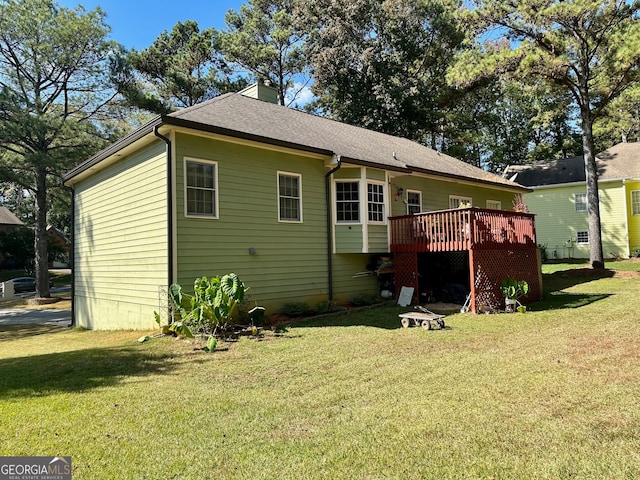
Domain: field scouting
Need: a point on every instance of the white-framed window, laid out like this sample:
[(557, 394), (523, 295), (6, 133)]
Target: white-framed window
[(455, 201), (347, 201), (494, 204), (200, 188), (375, 202), (582, 237), (289, 197), (414, 202), (635, 202), (580, 200)]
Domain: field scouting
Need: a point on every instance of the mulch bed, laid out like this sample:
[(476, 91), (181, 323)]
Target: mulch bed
[(42, 300)]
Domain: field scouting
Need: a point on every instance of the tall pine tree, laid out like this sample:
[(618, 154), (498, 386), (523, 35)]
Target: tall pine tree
[(54, 84), (591, 49)]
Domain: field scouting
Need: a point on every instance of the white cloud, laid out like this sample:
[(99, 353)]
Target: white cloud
[(303, 97)]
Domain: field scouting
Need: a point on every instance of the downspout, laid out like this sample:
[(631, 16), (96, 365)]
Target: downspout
[(169, 204), (626, 215), (327, 187), (72, 258)]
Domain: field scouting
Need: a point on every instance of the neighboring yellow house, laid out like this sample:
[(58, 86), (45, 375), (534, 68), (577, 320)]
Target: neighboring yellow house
[(559, 201)]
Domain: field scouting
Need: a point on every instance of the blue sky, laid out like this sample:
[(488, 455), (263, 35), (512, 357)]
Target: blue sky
[(137, 23)]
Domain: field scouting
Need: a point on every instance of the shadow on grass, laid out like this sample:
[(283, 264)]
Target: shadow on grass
[(386, 316), (558, 300), (376, 316), (570, 278), (77, 371), (13, 332)]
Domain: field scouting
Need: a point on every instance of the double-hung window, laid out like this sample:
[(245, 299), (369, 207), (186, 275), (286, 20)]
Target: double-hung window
[(635, 202), (456, 201), (201, 188), (375, 202), (414, 202), (494, 204), (347, 202), (289, 197), (580, 200)]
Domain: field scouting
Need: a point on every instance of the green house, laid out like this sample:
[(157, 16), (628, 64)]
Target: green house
[(559, 200), (298, 206)]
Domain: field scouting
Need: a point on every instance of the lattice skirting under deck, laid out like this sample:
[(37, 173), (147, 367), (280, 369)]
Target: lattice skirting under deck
[(405, 266), (491, 267)]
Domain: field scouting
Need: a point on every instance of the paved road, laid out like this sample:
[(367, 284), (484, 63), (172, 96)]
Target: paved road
[(22, 316)]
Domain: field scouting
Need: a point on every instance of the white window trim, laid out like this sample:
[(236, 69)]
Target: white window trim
[(419, 193), (460, 199), (384, 203), (575, 203), (578, 242), (186, 160), (289, 174), (335, 202), (631, 199), (497, 204)]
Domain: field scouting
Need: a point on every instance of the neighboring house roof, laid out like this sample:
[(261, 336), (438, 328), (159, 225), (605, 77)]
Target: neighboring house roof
[(618, 162), (239, 116), (57, 233), (8, 218)]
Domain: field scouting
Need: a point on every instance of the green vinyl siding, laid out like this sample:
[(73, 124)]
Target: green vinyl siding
[(290, 260), (557, 221), (120, 232), (378, 239), (348, 238), (435, 194), (633, 220), (345, 286), (348, 172), (375, 174)]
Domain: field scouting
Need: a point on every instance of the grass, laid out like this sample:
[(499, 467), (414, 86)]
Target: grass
[(546, 395), (632, 265)]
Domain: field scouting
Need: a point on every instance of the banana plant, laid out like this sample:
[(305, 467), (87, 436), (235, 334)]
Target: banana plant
[(212, 305), (514, 289)]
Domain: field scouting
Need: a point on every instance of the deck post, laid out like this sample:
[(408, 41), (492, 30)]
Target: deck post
[(472, 281)]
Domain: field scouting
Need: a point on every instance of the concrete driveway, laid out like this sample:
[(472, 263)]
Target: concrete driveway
[(22, 316)]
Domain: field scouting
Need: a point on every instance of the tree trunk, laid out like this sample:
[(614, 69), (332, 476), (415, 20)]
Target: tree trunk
[(42, 261), (593, 197)]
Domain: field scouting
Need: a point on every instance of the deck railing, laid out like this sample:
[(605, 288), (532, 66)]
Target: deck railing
[(462, 229)]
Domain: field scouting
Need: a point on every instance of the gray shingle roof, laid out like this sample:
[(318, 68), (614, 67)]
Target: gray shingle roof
[(240, 116), (253, 117), (617, 162)]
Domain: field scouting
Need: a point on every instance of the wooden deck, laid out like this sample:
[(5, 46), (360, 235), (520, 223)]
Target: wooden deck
[(499, 245), (462, 229)]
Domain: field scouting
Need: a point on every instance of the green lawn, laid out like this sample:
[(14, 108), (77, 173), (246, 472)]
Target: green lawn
[(549, 394), (627, 265)]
